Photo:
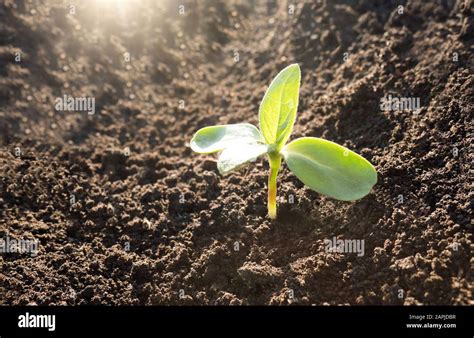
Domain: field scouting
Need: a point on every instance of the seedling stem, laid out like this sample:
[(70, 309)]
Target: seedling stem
[(275, 161)]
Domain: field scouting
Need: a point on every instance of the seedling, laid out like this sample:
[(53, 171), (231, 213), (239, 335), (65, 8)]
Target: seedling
[(324, 166)]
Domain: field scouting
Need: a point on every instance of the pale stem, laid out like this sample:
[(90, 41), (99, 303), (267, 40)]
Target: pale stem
[(275, 161)]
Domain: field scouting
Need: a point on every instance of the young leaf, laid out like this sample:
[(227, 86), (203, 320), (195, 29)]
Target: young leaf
[(212, 139), (277, 111), (237, 155), (329, 168)]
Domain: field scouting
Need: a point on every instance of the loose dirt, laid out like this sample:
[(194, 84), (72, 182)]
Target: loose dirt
[(125, 213)]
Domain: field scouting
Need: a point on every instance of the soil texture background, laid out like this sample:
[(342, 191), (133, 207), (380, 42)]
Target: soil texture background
[(126, 213)]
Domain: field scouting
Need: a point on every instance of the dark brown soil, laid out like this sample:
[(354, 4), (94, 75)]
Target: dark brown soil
[(160, 225)]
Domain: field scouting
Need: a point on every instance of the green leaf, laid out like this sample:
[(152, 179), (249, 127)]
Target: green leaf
[(212, 139), (277, 111), (329, 168), (237, 155)]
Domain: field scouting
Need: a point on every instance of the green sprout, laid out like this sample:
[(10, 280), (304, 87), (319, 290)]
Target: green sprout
[(324, 166)]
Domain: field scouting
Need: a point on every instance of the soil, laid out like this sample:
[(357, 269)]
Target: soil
[(126, 213)]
